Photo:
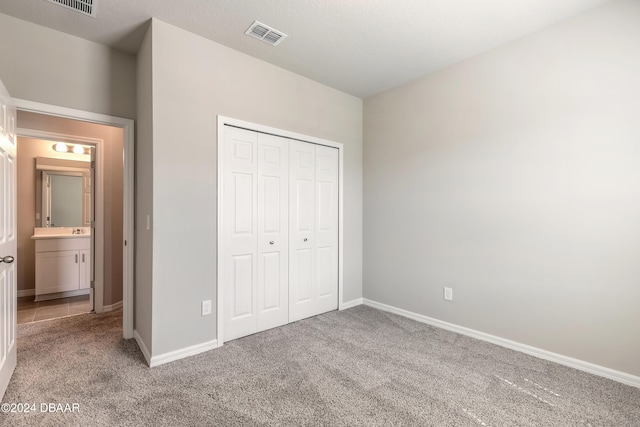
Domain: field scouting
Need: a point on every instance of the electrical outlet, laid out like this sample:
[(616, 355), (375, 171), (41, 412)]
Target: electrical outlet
[(206, 307), (448, 294)]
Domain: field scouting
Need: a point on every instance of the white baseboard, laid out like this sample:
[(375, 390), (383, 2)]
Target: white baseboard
[(26, 293), (171, 356), (143, 347), (112, 307), (581, 365), (352, 303)]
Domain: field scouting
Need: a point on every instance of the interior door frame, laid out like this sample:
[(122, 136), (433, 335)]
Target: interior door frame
[(222, 121), (97, 296), (127, 125)]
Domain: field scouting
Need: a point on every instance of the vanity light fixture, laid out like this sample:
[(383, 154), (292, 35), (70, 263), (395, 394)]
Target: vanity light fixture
[(61, 147)]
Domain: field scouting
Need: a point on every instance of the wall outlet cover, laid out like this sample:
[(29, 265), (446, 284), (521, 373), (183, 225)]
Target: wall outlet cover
[(448, 294)]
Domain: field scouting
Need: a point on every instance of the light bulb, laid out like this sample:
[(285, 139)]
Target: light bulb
[(61, 147), (78, 149)]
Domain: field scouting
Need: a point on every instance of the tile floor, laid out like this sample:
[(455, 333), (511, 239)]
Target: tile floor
[(31, 311)]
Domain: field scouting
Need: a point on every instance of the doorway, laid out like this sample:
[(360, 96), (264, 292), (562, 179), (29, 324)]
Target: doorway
[(55, 214), (125, 242)]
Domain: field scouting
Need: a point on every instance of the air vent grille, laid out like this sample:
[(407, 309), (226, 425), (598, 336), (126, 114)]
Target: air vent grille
[(86, 7), (265, 33)]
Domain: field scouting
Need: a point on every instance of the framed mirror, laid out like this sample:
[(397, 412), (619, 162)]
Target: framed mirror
[(62, 199), (65, 193)]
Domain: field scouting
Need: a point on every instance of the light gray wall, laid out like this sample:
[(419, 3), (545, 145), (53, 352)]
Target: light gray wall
[(144, 194), (48, 66), (194, 80), (513, 177)]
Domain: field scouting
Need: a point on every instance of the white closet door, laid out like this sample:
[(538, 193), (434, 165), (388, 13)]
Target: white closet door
[(273, 230), (313, 230), (326, 226), (240, 234), (279, 257), (255, 232), (301, 229)]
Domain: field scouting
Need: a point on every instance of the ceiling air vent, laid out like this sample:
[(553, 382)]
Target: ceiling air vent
[(86, 7), (265, 33)]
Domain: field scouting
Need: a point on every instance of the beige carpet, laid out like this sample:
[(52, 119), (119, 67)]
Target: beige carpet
[(357, 367)]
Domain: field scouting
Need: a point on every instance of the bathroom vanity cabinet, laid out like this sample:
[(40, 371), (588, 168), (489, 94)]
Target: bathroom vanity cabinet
[(62, 265)]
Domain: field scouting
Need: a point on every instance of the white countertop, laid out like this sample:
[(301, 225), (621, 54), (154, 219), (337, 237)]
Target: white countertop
[(60, 233), (60, 236)]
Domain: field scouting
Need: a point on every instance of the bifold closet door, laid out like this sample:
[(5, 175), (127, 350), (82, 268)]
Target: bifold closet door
[(273, 231), (255, 226), (313, 230)]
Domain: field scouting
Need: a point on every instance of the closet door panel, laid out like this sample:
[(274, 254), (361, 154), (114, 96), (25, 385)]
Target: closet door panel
[(239, 228), (326, 266), (304, 276), (273, 231), (242, 287), (304, 206), (301, 230), (326, 230), (271, 278)]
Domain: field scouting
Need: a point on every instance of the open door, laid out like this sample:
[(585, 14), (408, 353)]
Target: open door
[(8, 279), (90, 191)]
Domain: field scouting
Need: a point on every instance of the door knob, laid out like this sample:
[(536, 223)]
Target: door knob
[(305, 239), (271, 242), (7, 259)]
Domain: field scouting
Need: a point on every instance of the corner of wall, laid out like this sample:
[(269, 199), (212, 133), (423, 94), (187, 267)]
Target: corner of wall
[(143, 322)]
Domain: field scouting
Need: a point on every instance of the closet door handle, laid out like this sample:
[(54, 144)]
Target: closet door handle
[(305, 239), (271, 242), (7, 259), (82, 257), (76, 258)]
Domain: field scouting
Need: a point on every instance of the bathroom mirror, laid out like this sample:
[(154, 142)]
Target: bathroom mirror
[(62, 199), (65, 191)]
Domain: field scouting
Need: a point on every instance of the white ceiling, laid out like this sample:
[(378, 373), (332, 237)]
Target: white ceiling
[(362, 47)]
